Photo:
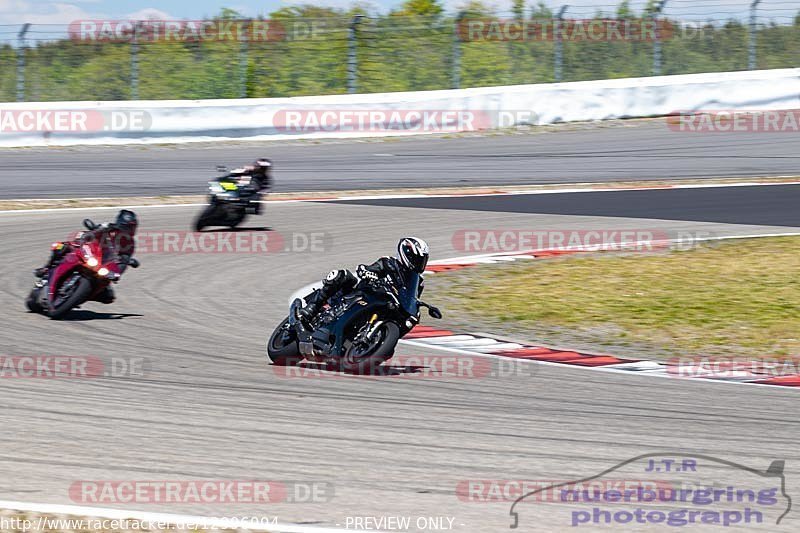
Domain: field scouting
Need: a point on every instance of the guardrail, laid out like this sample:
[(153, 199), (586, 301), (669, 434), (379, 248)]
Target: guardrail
[(386, 114), (308, 50)]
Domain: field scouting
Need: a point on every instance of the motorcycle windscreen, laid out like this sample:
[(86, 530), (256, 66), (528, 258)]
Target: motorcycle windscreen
[(407, 294)]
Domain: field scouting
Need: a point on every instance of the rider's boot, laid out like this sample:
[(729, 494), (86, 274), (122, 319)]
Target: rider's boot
[(59, 250), (306, 314), (334, 281)]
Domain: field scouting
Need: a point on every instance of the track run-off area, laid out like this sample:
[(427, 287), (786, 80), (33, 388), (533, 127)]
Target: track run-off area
[(206, 405), (622, 151)]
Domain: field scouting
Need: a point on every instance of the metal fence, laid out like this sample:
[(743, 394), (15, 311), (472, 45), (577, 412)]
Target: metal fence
[(293, 56)]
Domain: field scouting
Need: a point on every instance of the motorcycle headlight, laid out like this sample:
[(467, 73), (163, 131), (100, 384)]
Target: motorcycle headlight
[(92, 262), (103, 272)]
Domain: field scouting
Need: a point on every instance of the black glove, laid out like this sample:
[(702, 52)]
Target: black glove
[(365, 274), (133, 263)]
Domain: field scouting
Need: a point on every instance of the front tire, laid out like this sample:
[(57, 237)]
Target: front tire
[(32, 302), (238, 220), (206, 218), (78, 295), (282, 347), (359, 359)]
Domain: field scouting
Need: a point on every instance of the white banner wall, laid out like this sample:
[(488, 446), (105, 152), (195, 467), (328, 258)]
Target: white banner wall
[(382, 114)]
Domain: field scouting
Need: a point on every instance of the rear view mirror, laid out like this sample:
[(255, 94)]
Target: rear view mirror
[(88, 224), (434, 312)]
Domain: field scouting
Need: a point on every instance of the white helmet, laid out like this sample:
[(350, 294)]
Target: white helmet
[(413, 253)]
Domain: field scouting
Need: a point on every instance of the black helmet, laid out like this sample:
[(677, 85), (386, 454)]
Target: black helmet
[(126, 221), (413, 253), (262, 166)]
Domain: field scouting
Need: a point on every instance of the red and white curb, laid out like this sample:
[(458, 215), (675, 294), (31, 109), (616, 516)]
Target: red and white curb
[(458, 263), (485, 345)]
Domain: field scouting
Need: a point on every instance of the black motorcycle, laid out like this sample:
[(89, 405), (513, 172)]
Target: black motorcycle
[(356, 332), (231, 198)]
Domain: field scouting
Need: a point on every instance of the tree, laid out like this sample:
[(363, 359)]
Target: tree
[(624, 11), (425, 8), (541, 11), (518, 9), (229, 14)]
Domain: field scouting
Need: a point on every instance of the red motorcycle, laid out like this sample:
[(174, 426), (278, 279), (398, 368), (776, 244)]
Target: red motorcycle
[(82, 275)]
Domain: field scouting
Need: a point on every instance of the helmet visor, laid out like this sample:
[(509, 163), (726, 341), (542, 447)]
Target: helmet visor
[(415, 260)]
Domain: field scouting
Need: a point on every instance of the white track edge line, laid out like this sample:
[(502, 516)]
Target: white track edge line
[(577, 188), (113, 207), (174, 519)]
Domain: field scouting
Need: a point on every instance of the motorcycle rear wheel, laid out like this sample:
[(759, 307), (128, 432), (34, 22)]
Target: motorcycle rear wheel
[(359, 359)]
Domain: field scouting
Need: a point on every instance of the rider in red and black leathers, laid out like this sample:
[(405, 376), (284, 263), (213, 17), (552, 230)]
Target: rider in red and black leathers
[(412, 254), (117, 239)]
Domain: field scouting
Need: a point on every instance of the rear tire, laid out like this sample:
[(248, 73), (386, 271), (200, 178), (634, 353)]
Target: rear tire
[(367, 363), (206, 218), (279, 351), (32, 302), (77, 297)]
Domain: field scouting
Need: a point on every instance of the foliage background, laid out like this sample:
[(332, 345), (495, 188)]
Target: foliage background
[(411, 48)]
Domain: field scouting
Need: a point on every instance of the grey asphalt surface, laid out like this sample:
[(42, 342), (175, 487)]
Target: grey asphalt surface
[(633, 150), (774, 205), (209, 407)]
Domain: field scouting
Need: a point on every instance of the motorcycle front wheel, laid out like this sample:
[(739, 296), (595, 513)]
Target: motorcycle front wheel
[(282, 346), (237, 219), (206, 218), (32, 302), (73, 297), (366, 357)]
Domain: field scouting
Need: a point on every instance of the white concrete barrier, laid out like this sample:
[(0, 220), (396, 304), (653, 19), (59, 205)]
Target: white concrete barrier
[(384, 114)]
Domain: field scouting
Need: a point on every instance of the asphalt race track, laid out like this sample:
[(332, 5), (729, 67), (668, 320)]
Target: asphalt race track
[(634, 151), (209, 407), (774, 205)]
